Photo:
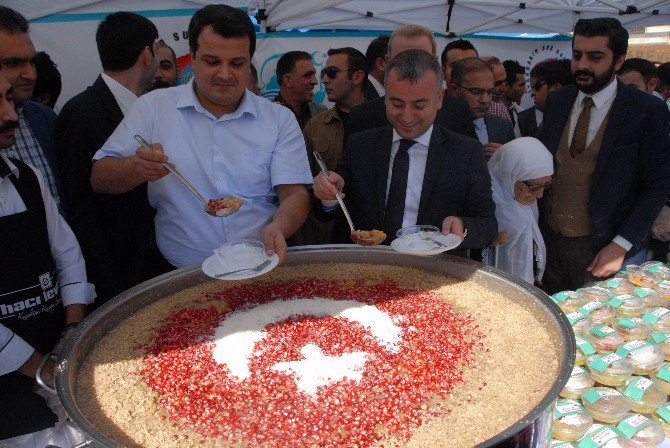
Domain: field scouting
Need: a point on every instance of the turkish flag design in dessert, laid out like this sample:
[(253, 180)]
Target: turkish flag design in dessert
[(295, 364)]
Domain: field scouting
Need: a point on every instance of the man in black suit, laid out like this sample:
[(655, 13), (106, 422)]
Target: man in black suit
[(375, 58), (612, 172), (545, 77), (472, 81), (453, 114), (115, 231), (415, 171)]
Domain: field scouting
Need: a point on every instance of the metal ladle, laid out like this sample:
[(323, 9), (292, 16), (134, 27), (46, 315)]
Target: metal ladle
[(219, 213), (359, 241)]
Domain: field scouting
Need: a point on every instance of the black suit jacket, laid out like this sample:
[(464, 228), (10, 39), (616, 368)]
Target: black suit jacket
[(527, 122), (115, 232), (456, 183), (632, 177), (369, 91), (454, 115)]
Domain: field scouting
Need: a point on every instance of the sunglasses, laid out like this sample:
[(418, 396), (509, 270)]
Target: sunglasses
[(332, 71), (477, 91), (535, 188)]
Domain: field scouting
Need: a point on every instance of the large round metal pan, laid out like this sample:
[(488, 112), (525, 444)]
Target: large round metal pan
[(531, 430)]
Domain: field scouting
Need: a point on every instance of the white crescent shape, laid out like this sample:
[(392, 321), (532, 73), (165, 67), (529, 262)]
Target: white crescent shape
[(239, 332)]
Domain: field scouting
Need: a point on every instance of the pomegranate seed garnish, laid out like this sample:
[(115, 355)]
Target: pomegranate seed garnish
[(396, 393)]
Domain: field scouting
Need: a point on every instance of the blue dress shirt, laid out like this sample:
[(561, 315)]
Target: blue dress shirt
[(480, 129), (246, 153)]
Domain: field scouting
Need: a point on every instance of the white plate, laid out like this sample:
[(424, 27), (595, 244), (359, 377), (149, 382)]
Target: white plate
[(422, 243), (212, 267)]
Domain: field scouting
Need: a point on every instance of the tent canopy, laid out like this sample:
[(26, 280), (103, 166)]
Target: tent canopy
[(462, 16), (457, 17)]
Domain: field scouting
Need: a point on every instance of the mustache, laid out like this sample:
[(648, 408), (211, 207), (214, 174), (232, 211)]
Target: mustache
[(584, 73), (160, 84), (7, 125)]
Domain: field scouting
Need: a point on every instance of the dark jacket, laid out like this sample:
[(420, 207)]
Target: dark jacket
[(456, 183), (498, 129), (115, 232), (528, 123), (632, 177), (42, 121)]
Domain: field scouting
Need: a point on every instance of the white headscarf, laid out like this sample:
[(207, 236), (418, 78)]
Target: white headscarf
[(522, 159)]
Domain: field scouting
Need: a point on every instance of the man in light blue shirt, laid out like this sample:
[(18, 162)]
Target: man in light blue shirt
[(225, 140)]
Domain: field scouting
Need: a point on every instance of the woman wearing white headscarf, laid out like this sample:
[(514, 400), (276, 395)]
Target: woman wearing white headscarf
[(520, 172)]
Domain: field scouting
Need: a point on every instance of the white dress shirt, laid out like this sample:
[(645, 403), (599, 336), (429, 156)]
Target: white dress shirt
[(539, 116), (481, 130), (418, 154), (246, 153), (602, 103), (379, 87), (124, 97), (65, 250), (514, 113)]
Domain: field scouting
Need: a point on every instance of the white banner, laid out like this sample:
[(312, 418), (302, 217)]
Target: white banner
[(70, 41)]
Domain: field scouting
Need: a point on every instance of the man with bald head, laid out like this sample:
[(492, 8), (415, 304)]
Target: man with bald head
[(453, 113)]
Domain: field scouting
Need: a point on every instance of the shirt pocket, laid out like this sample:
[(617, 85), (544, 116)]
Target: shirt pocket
[(330, 151), (255, 176)]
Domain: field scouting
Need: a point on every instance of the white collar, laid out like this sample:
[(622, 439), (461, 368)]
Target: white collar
[(122, 95), (379, 87), (188, 98), (12, 168), (601, 97), (479, 123), (424, 138)]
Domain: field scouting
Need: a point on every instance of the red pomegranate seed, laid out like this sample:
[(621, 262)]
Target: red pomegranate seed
[(397, 392)]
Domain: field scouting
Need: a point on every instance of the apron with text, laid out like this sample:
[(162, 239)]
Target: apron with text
[(30, 303)]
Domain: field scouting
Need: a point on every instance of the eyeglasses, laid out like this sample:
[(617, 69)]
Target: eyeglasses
[(332, 71), (535, 188), (477, 91), (538, 85)]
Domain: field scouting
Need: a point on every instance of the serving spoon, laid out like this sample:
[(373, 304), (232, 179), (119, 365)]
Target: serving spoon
[(361, 241), (219, 213)]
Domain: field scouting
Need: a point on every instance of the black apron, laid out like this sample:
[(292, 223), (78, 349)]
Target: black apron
[(30, 303)]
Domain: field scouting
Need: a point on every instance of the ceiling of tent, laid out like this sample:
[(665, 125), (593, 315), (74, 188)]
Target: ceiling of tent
[(39, 9), (467, 16)]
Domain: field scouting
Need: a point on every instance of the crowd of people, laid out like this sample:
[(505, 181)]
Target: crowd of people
[(566, 191)]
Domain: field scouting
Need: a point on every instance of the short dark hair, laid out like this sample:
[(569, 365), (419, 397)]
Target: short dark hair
[(512, 69), (644, 67), (286, 63), (413, 64), (161, 43), (378, 48), (663, 73), (12, 22), (468, 65), (555, 71), (604, 26), (355, 59), (48, 78), (459, 44), (226, 21), (121, 38)]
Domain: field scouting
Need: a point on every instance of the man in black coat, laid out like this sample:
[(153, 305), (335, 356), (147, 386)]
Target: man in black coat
[(453, 113), (415, 171), (115, 231), (612, 166)]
